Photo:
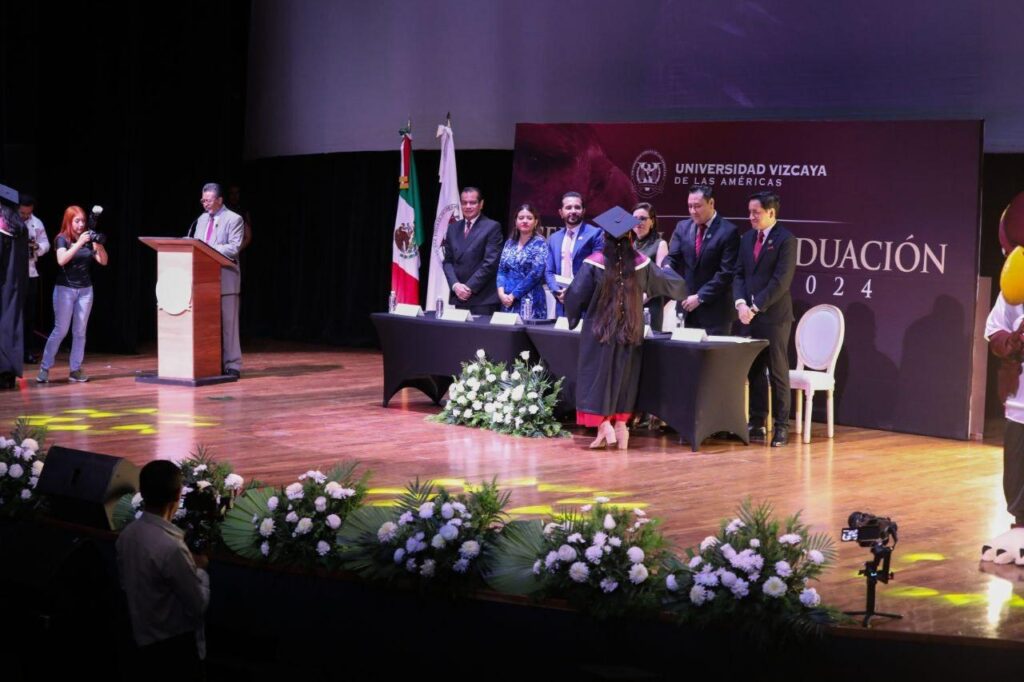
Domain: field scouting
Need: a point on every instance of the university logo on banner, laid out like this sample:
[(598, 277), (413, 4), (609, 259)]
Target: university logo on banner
[(648, 174), (446, 215)]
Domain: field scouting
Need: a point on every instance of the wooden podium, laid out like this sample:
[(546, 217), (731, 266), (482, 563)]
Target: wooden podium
[(187, 312)]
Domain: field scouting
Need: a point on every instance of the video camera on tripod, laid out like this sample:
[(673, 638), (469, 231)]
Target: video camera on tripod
[(868, 530)]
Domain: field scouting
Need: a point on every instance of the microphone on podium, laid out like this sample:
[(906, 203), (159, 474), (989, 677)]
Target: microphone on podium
[(192, 229)]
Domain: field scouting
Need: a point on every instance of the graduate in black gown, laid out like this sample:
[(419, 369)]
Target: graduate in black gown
[(13, 279), (609, 288)]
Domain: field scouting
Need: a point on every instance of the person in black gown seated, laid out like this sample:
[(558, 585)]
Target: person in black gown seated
[(610, 288)]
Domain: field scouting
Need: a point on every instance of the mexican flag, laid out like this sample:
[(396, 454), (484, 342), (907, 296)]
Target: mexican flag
[(408, 234)]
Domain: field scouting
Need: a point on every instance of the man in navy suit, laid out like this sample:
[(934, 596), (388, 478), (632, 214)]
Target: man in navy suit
[(767, 262), (703, 251), (569, 247), (472, 249)]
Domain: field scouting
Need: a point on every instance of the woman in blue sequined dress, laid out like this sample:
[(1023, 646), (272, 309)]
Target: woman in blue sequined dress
[(521, 269)]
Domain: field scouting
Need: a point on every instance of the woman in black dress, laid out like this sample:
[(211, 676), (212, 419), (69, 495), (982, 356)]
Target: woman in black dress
[(610, 288)]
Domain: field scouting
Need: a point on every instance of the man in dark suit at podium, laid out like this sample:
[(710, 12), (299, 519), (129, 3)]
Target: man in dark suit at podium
[(703, 251), (472, 249), (223, 230), (767, 262)]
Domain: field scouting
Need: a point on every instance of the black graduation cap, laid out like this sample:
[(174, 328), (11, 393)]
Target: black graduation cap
[(9, 194), (616, 221)]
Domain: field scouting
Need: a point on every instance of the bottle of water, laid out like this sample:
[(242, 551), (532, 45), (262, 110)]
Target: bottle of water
[(647, 317), (392, 301), (438, 308), (526, 309)]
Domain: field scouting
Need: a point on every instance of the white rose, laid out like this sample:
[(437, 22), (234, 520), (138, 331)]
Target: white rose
[(575, 538), (387, 531), (740, 588), (755, 543), (265, 548), (437, 542), (322, 548), (321, 504), (447, 510), (467, 413), (504, 376), (449, 532), (790, 539), (566, 553), (517, 392), (699, 595), (304, 526), (30, 444), (615, 542), (708, 542), (136, 500), (810, 597), (670, 583), (816, 557), (783, 569), (199, 468), (233, 482), (470, 549), (637, 574), (491, 378), (480, 354), (609, 522), (15, 471), (294, 491), (334, 521), (532, 395), (478, 405), (525, 355), (533, 409), (489, 408), (272, 503), (774, 587), (427, 510), (551, 558), (579, 572), (635, 554), (292, 517), (267, 527), (515, 376), (593, 554), (695, 562)]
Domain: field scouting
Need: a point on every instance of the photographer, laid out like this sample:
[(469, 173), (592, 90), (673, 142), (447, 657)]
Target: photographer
[(77, 248)]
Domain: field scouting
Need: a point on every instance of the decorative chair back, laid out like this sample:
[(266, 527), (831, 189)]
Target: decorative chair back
[(819, 338)]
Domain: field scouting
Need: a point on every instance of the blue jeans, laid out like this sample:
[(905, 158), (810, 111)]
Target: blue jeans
[(71, 308)]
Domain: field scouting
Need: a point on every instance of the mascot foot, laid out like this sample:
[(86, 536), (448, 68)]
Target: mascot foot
[(1007, 548)]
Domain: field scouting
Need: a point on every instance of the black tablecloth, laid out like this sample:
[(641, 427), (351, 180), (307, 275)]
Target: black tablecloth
[(424, 353), (695, 387)]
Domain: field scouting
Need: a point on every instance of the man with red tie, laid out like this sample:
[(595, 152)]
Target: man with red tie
[(472, 249), (703, 251), (767, 262), (223, 230)]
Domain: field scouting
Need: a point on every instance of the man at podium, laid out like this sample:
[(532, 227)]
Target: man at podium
[(223, 230)]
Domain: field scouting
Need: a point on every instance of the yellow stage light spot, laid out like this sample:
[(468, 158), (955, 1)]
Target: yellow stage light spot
[(912, 592), (1016, 601), (555, 488), (33, 416), (106, 415), (37, 422), (386, 491), (142, 410), (450, 483), (575, 501), (535, 509), (382, 503), (84, 410), (63, 419), (923, 556), (611, 493), (147, 432), (69, 427), (965, 599), (519, 482), (131, 427)]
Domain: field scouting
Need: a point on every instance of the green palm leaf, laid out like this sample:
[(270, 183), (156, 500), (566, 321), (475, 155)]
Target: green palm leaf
[(238, 531), (511, 568)]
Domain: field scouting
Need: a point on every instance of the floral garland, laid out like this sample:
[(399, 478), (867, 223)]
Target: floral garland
[(21, 464), (754, 573), (209, 489), (297, 523), (519, 401), (432, 536)]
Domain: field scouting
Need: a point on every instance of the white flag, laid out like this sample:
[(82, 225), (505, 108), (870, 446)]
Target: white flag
[(448, 211)]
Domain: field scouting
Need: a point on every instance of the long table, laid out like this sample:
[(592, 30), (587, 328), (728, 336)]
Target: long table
[(424, 353), (696, 388)]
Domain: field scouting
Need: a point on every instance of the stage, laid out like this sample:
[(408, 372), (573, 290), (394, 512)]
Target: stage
[(303, 407)]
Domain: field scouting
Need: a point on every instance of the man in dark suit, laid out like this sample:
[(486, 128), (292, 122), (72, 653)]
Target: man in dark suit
[(767, 262), (703, 251), (569, 247), (472, 249)]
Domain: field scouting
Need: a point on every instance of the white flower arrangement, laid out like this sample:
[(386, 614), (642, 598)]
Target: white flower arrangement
[(602, 560), (298, 523), (432, 536), (761, 587), (517, 401), (21, 465)]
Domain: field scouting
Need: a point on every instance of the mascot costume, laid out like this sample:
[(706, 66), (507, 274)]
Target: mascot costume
[(1004, 332)]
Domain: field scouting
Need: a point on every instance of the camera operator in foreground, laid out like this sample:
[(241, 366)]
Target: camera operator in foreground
[(77, 248)]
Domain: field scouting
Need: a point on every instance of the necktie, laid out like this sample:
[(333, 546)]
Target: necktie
[(757, 245), (567, 245), (700, 238), (209, 231), (469, 226)]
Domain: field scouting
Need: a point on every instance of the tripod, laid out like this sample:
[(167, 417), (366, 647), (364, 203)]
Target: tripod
[(880, 554)]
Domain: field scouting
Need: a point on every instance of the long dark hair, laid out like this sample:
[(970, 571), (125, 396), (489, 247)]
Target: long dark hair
[(619, 311)]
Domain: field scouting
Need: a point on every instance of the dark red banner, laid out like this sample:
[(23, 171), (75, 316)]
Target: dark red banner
[(886, 214)]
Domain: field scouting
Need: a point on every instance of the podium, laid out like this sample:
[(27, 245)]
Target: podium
[(188, 289)]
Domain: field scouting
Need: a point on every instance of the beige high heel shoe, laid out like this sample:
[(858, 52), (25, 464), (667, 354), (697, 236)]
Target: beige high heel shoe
[(622, 435), (605, 436)]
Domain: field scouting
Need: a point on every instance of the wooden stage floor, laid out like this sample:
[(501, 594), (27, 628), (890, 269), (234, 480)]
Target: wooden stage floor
[(302, 407)]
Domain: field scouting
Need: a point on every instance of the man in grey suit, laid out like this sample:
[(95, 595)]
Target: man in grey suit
[(223, 230)]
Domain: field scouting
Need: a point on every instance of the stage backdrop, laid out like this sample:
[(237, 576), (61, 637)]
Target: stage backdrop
[(886, 214)]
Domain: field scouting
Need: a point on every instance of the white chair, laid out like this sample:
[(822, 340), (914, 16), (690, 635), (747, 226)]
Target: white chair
[(819, 338)]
